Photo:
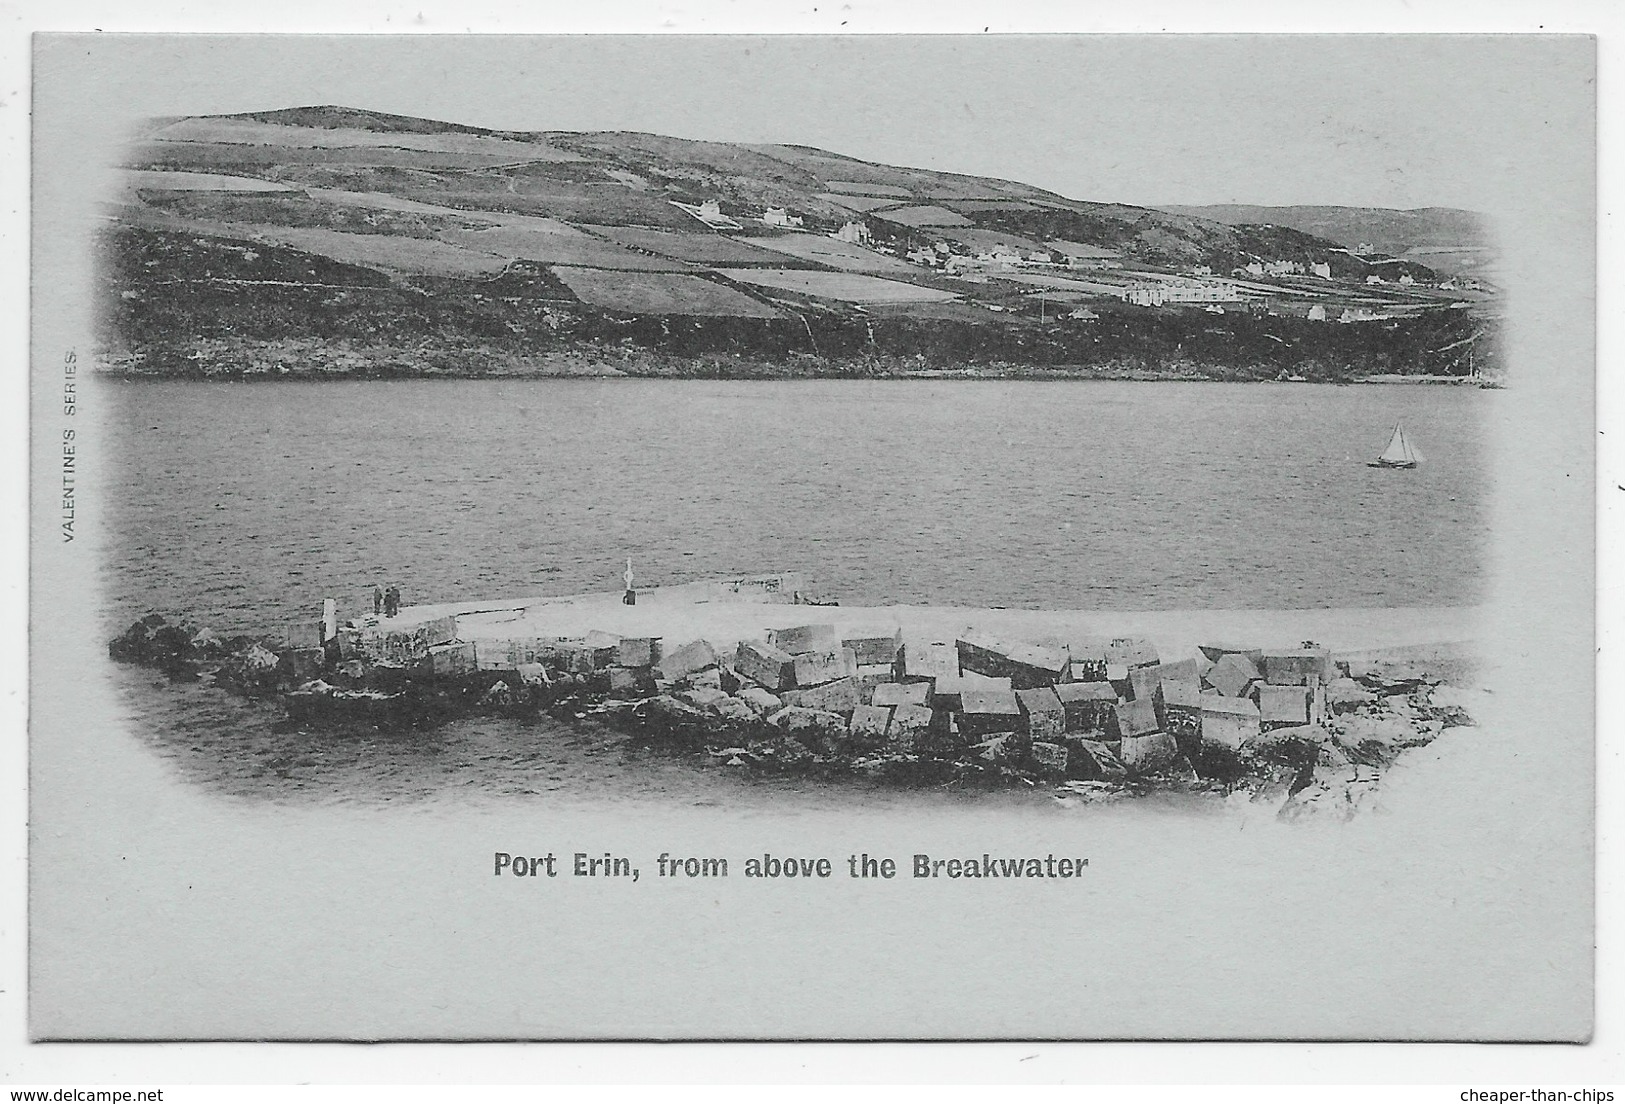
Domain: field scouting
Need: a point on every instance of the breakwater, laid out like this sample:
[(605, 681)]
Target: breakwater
[(738, 674)]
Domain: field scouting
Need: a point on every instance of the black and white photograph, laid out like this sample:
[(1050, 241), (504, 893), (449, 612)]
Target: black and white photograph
[(897, 537)]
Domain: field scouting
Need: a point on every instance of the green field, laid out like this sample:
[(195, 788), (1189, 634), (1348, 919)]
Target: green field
[(848, 287), (658, 293), (398, 254), (705, 247), (565, 245)]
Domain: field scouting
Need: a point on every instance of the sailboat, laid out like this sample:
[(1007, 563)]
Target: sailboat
[(1400, 453)]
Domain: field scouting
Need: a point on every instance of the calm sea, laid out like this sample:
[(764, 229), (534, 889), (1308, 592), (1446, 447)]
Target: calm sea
[(245, 504)]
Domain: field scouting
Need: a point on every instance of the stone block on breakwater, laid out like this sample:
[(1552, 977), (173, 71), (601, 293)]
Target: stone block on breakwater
[(840, 696), (901, 693), (773, 668), (688, 660), (1300, 667), (880, 644), (867, 728), (1046, 716), (1232, 673), (987, 711), (1093, 761), (805, 638), (929, 661), (764, 703), (1137, 718), (912, 727), (1148, 753), (1090, 706), (1025, 665), (453, 659), (637, 651), (817, 668)]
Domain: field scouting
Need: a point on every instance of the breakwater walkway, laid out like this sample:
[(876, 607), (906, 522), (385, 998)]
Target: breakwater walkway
[(1103, 705)]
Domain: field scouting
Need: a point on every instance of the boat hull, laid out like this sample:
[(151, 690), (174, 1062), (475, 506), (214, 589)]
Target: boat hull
[(1390, 463)]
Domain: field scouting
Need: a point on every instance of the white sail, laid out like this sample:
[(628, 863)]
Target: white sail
[(1399, 453)]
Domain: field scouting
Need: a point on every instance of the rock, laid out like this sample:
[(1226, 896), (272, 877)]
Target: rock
[(732, 711), (1049, 758), (823, 732), (497, 694), (875, 644), (1231, 674), (708, 679), (901, 693), (1182, 715), (668, 718), (1046, 716), (817, 668), (1092, 760), (1137, 718), (1375, 737), (1089, 706), (1092, 792), (1344, 695), (691, 658), (760, 700), (872, 675), (602, 647), (533, 674), (701, 697), (840, 696), (987, 711), (630, 682), (1149, 753), (1333, 793), (805, 638), (868, 726), (302, 664), (204, 644), (1025, 665), (763, 663), (1004, 749)]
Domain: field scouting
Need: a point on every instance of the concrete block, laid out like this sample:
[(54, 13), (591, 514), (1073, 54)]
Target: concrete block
[(1089, 706), (817, 668), (1182, 673), (874, 644), (1182, 714), (763, 663), (902, 693), (453, 659), (1131, 651), (1228, 722), (631, 682), (987, 712), (1231, 675), (840, 696), (1145, 683), (946, 693), (1046, 716), (699, 697), (532, 674), (1286, 705), (1150, 752), (1050, 759), (442, 630), (929, 661), (638, 651), (1136, 718), (695, 656), (873, 675), (867, 728), (1300, 667), (805, 638), (603, 646), (911, 728), (1025, 665)]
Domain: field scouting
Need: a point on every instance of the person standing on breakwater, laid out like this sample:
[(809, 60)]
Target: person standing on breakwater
[(392, 601), (377, 600), (630, 598)]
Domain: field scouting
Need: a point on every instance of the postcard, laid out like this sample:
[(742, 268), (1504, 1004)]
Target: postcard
[(746, 537)]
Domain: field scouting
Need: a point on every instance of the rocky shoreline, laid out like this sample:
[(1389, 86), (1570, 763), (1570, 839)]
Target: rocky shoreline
[(1102, 719)]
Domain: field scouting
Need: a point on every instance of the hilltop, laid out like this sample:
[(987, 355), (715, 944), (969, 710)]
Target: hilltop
[(337, 239)]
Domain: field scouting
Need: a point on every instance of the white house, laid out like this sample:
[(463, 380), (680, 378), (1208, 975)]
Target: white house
[(854, 232), (1317, 313), (1323, 269), (778, 216), (1374, 280)]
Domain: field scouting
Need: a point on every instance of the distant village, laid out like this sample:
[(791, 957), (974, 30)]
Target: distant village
[(1061, 277)]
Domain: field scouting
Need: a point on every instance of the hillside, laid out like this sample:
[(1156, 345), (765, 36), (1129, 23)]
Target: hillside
[(359, 241), (1445, 238)]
